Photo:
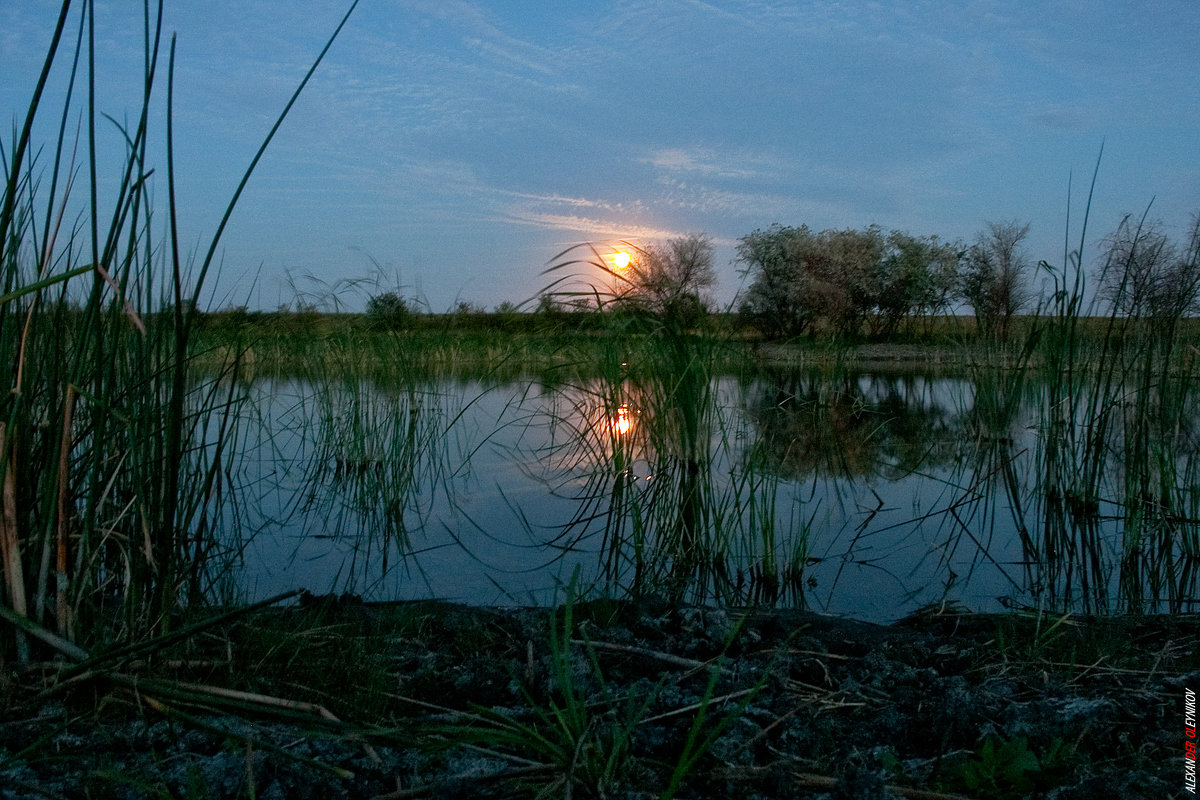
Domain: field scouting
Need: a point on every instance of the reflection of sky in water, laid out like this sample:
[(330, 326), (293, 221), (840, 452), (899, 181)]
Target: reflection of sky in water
[(894, 481)]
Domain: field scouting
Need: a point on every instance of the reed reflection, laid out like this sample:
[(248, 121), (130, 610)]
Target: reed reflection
[(655, 460), (378, 457)]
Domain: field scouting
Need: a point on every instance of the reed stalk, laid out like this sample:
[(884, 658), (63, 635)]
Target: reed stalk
[(1114, 447), (115, 451), (653, 442)]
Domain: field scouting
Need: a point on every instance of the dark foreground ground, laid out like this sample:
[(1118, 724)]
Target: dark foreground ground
[(336, 699)]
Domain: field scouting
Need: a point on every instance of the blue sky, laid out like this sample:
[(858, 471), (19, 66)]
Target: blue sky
[(454, 147)]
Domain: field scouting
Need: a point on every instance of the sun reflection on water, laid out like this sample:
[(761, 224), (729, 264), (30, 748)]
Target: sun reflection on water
[(622, 422)]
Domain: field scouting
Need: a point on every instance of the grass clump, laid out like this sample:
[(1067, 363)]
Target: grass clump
[(1116, 442), (114, 452), (581, 735), (583, 745)]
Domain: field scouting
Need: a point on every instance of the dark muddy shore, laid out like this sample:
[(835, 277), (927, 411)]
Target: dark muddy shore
[(339, 699)]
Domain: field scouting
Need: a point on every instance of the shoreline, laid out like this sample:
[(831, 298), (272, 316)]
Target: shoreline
[(340, 699)]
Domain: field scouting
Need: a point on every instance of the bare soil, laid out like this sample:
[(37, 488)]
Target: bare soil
[(337, 699)]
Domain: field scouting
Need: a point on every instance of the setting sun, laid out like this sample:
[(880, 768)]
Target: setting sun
[(620, 259)]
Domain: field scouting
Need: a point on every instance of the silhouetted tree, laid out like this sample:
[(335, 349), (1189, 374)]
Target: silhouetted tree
[(467, 308), (388, 310), (993, 280), (1143, 274), (548, 304), (674, 277)]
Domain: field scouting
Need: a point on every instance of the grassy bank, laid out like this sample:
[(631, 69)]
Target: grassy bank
[(523, 345)]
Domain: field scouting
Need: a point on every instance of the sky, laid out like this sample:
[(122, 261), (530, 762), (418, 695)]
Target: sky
[(450, 149)]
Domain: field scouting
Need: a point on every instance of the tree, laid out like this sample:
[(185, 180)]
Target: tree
[(840, 272), (775, 299), (845, 278), (672, 279), (466, 308), (800, 277), (547, 304), (993, 280), (916, 276), (1143, 274)]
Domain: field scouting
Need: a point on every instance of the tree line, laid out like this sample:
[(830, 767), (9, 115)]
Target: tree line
[(871, 281), (854, 281)]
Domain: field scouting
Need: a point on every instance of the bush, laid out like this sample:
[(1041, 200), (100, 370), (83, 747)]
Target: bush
[(843, 278), (388, 310)]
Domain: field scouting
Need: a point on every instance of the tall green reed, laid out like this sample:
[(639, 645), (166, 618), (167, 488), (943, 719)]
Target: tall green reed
[(371, 434), (1115, 448), (114, 452)]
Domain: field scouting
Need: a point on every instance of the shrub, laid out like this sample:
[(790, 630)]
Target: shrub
[(388, 310)]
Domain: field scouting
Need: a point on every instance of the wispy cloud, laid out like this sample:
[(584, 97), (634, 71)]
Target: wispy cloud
[(589, 226), (702, 160), (708, 200), (560, 200), (467, 125), (586, 217), (480, 32)]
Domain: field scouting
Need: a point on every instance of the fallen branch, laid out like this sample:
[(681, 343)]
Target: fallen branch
[(26, 625), (678, 661), (439, 787), (162, 642), (697, 706), (809, 780), (196, 722)]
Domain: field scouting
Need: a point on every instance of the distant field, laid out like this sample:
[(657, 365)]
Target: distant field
[(515, 343)]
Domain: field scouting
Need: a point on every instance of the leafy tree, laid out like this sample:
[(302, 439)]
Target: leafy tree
[(993, 280), (776, 299), (841, 272), (845, 278), (916, 276)]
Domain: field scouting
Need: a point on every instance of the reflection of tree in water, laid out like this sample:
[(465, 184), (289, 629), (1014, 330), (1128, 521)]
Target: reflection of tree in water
[(852, 426)]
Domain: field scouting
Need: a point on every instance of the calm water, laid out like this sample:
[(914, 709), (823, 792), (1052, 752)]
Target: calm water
[(868, 495)]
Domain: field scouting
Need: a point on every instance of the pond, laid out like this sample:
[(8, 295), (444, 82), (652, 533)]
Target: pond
[(864, 495)]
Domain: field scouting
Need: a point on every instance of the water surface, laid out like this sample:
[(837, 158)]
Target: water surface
[(869, 495)]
